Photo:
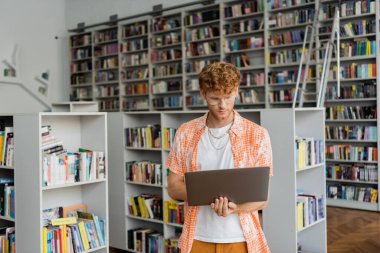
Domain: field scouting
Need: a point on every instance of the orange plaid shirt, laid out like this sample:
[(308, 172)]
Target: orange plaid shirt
[(250, 148)]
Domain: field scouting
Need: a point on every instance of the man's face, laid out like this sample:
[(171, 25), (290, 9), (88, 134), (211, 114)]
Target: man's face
[(220, 104)]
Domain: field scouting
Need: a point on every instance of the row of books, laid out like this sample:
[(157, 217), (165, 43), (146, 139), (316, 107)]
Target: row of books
[(74, 231), (310, 209), (243, 26), (7, 240), (202, 33), (355, 70), (143, 137), (166, 39), (7, 198), (342, 112), (358, 48), (292, 55), (309, 151), (288, 37), (358, 28), (135, 73), (135, 59), (81, 40), (358, 132), (164, 55), (284, 95), (135, 104), (145, 240), (239, 60), (349, 192), (356, 172), (165, 24), (248, 97), (139, 28), (172, 245), (244, 8), (146, 172), (81, 53), (199, 17), (81, 78), (146, 206), (277, 4), (136, 89), (106, 105), (107, 63), (81, 93), (351, 153), (6, 146), (80, 66), (107, 91), (291, 18), (197, 65), (66, 168), (174, 211), (288, 76), (133, 45), (167, 69), (360, 90), (167, 102), (192, 84), (104, 50), (195, 100), (201, 48), (106, 76), (105, 35), (168, 134), (247, 43), (252, 79), (349, 8)]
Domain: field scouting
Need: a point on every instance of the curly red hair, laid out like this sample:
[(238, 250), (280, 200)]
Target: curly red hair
[(220, 77)]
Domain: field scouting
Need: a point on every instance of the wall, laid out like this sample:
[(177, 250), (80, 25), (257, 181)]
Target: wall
[(38, 27), (95, 11)]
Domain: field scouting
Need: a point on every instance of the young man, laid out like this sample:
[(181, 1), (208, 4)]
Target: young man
[(218, 140)]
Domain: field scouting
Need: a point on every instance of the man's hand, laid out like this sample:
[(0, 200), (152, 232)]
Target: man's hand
[(222, 207)]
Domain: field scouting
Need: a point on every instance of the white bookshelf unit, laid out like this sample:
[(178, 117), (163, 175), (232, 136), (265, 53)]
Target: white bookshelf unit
[(7, 171), (280, 216), (75, 130)]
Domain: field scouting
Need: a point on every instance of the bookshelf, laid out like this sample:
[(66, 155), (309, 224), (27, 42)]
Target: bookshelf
[(8, 183), (284, 126), (244, 45), (86, 130), (277, 59), (134, 67), (285, 26), (81, 67), (106, 68), (358, 91), (166, 62)]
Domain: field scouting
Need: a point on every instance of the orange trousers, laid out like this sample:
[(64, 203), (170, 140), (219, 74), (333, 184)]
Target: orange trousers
[(208, 247)]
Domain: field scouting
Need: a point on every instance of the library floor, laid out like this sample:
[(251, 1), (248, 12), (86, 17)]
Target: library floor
[(348, 231)]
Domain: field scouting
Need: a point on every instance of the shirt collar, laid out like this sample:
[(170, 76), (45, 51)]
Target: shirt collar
[(236, 128)]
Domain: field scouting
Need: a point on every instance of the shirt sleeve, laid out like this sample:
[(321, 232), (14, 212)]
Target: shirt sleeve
[(265, 152), (176, 159)]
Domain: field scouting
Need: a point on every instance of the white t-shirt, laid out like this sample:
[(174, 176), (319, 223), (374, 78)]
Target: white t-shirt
[(216, 155)]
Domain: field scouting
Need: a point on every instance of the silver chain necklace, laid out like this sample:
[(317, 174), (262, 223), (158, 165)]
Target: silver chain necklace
[(214, 145), (211, 136)]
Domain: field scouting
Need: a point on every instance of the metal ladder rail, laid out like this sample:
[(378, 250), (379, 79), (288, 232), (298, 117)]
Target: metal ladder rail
[(327, 60)]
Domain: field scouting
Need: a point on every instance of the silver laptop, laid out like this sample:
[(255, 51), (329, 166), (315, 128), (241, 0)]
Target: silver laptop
[(239, 185)]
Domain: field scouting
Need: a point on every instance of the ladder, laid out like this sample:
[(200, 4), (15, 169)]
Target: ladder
[(330, 46)]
